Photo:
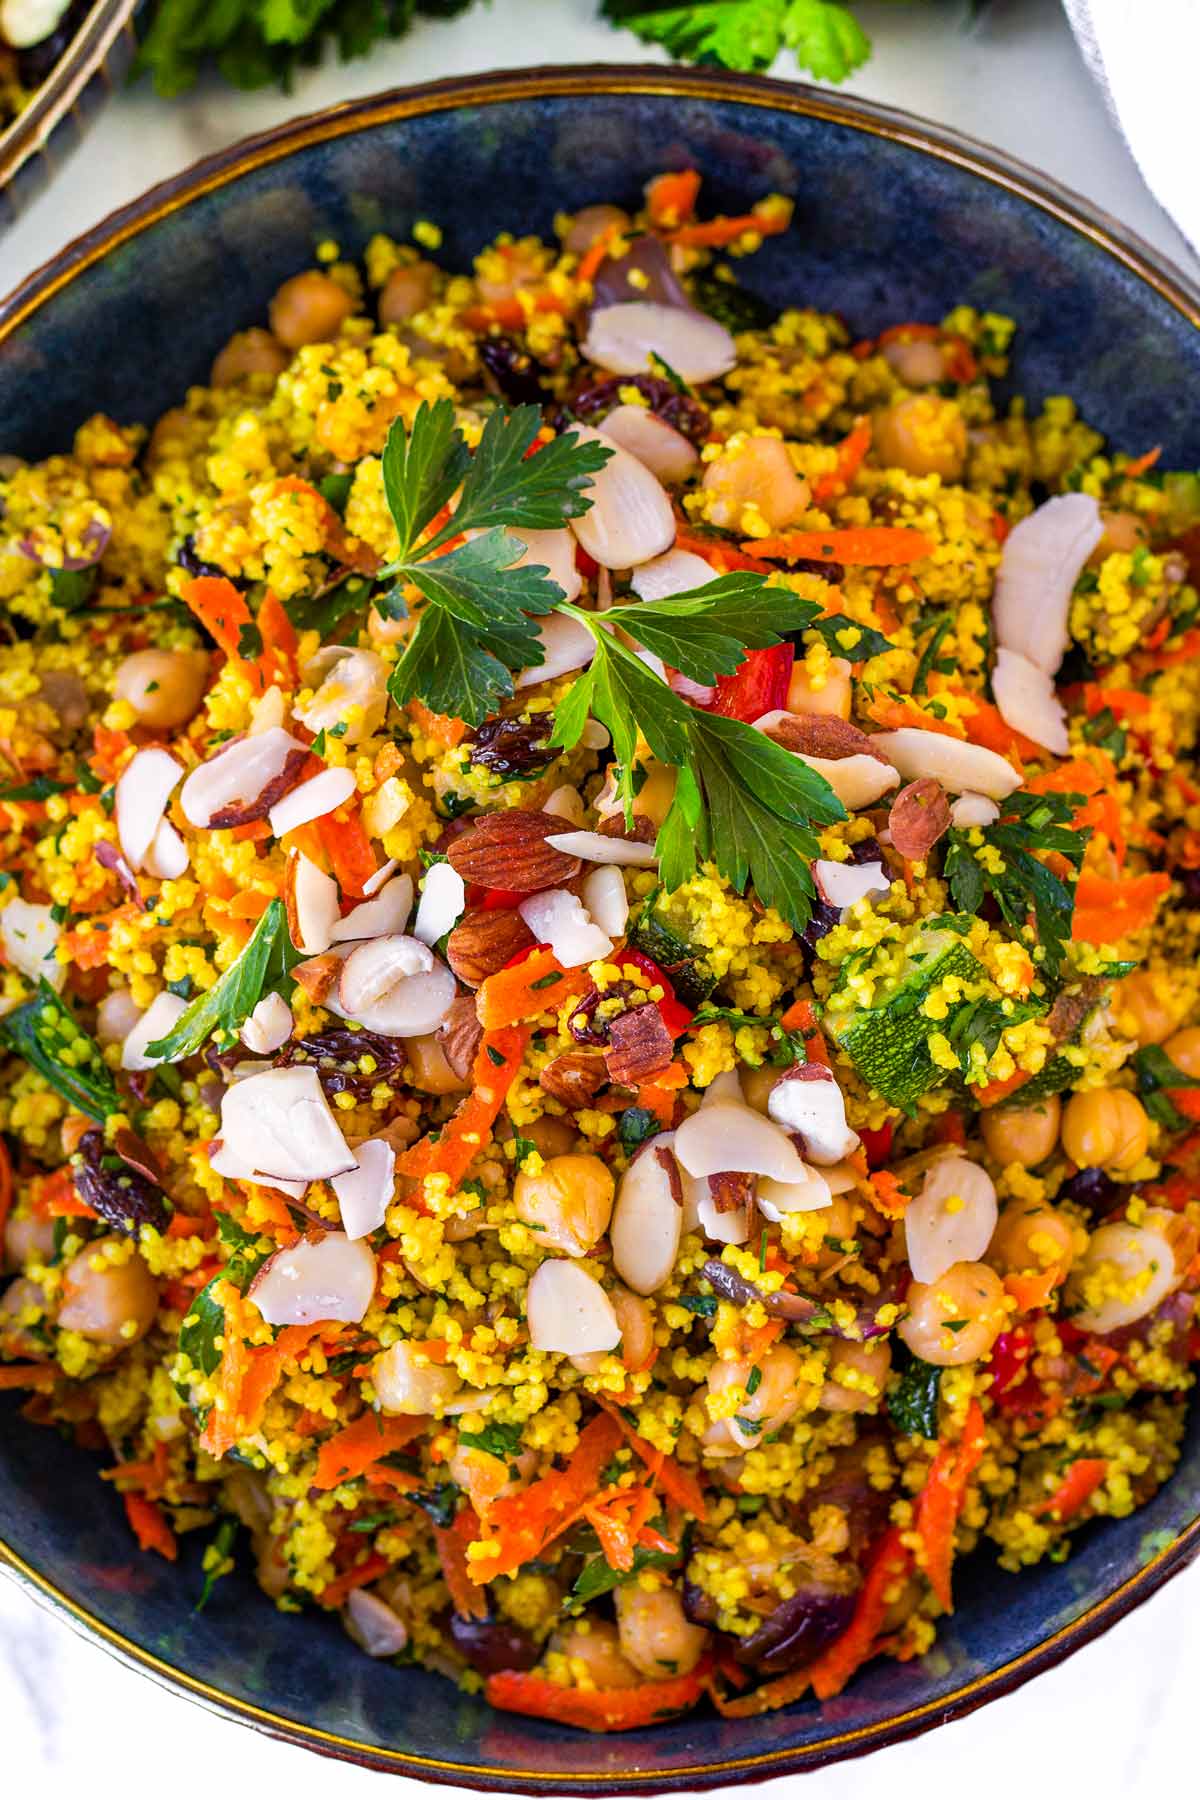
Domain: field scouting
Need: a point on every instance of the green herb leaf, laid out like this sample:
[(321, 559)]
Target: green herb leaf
[(913, 1402), (229, 1002), (503, 1441), (204, 1321), (598, 1577), (1028, 823), (707, 631), (846, 637), (422, 469), (749, 34), (220, 1547), (40, 788), (324, 612), (46, 1034), (1156, 1074)]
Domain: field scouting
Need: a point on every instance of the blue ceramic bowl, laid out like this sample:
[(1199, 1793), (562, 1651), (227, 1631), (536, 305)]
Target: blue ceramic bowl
[(894, 220)]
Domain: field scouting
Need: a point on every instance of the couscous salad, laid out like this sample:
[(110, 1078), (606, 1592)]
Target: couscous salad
[(600, 903)]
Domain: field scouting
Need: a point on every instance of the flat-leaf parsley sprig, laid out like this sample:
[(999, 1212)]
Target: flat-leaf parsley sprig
[(741, 801), (1013, 874), (478, 625)]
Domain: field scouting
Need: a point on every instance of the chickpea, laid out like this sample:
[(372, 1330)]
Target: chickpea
[(655, 1634), (431, 1073), (1105, 1128), (777, 1394), (856, 1376), (1123, 533), (957, 1318), (924, 434), (1141, 1006), (636, 1320), (311, 308), (1184, 1051), (407, 290), (549, 1135), (108, 1299), (755, 477), (1022, 1134), (1031, 1239), (568, 1202), (1125, 1272), (588, 224), (524, 266), (831, 700), (164, 687), (19, 1298), (116, 1016), (919, 362), (27, 1240), (407, 1383), (594, 1643), (841, 1219), (253, 352)]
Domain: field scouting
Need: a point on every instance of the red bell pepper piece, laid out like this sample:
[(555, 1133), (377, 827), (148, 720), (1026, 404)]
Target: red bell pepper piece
[(675, 1015), (877, 1144), (759, 686)]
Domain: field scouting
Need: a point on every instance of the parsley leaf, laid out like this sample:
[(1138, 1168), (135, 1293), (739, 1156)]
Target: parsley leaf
[(740, 800), (913, 1402), (866, 643), (1156, 1075), (40, 788), (1028, 823), (708, 630), (478, 624), (44, 1032), (503, 1441), (749, 34), (226, 1006)]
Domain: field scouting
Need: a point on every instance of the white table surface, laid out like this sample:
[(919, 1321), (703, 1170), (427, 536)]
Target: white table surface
[(1114, 1723)]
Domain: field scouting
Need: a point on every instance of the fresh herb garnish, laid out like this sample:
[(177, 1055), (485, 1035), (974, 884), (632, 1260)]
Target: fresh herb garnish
[(323, 612), (503, 1441), (476, 628), (913, 1402), (1028, 823), (703, 1305), (204, 1321), (1156, 1075), (635, 1126), (598, 1577), (824, 37), (40, 788), (216, 1555), (46, 1034), (866, 642), (740, 800), (226, 1006)]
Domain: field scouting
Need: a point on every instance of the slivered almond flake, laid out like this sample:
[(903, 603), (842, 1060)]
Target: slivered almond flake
[(484, 941), (312, 799), (919, 816), (647, 1219), (280, 1122), (508, 850), (640, 1046), (331, 1278), (807, 1102), (230, 785), (606, 847), (459, 1034), (318, 974)]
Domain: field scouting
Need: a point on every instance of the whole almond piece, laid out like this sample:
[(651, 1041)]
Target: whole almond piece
[(509, 850), (819, 734), (484, 940), (459, 1034), (919, 816), (575, 1077)]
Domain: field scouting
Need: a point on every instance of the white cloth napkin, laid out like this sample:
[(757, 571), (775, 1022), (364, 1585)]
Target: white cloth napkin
[(1145, 54)]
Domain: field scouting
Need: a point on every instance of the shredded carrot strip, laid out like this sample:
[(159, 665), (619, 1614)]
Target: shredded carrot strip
[(671, 197), (223, 612), (348, 848), (32, 1375), (897, 715), (336, 1592), (1106, 910), (992, 1092), (279, 636), (851, 451), (594, 255), (867, 546), (452, 1152), (595, 1709), (537, 984), (890, 1198), (149, 1526), (465, 1595), (801, 1017), (438, 726), (1075, 1489), (724, 557), (88, 949), (1032, 1292), (522, 1525), (985, 727), (940, 1501), (713, 233), (1140, 464), (352, 1450), (6, 1186), (675, 1481)]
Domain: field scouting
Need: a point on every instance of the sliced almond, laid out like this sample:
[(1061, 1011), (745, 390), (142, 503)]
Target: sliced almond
[(728, 1135), (559, 918), (318, 975), (398, 988), (957, 765), (973, 809), (951, 1220), (160, 1017), (443, 900), (167, 858), (604, 894), (29, 933), (648, 1218), (485, 941), (775, 1198), (918, 817), (663, 450), (732, 1190), (678, 572), (1039, 566), (807, 1101), (374, 968), (509, 850), (365, 1193), (630, 519), (624, 337), (460, 1034), (333, 1278), (1028, 703), (605, 847), (269, 1025), (857, 781), (575, 1077), (844, 884), (231, 784), (566, 646), (311, 900), (280, 1122), (386, 913), (312, 799), (145, 785), (567, 1310)]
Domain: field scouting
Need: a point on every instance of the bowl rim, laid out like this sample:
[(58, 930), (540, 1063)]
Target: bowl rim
[(58, 95), (604, 79)]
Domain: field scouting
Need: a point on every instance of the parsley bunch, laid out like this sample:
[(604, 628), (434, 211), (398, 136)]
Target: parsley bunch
[(740, 801), (1029, 823), (824, 37)]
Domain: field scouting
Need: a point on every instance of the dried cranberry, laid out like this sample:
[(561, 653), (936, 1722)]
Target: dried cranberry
[(1092, 1189), (337, 1053), (798, 1629), (583, 1024), (490, 1645)]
